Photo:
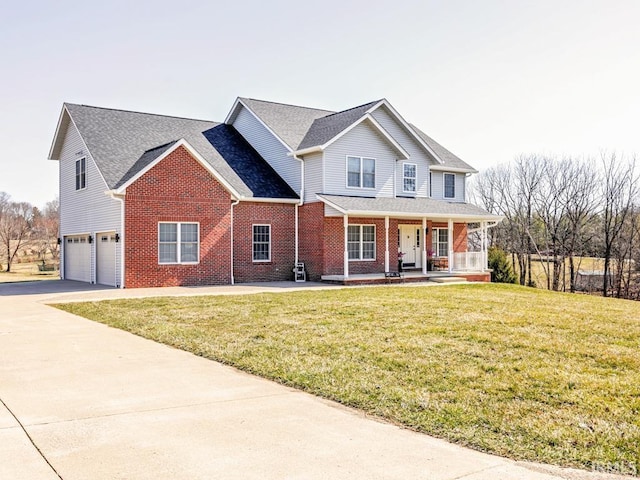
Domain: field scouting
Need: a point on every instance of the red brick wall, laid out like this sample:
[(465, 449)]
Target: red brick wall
[(178, 189), (281, 217), (311, 239)]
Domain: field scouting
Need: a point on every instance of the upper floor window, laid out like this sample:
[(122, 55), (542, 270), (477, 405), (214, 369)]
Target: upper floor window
[(361, 172), (409, 173), (81, 173), (449, 185), (262, 243), (178, 243), (361, 242)]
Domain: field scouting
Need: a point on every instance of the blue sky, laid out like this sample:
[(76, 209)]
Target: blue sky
[(489, 80)]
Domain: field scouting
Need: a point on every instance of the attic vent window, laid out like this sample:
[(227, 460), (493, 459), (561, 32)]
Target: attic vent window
[(81, 173)]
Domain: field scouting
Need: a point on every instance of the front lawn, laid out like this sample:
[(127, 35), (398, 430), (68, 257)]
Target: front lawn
[(524, 373)]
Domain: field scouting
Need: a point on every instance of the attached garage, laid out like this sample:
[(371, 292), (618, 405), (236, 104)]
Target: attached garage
[(106, 258), (77, 258)]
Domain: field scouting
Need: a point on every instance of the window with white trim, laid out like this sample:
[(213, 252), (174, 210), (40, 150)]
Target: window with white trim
[(409, 175), (361, 172), (262, 243), (440, 242), (81, 173), (178, 242), (361, 242), (449, 185)]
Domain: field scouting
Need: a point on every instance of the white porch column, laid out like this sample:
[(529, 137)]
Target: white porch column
[(423, 236), (386, 244), (485, 246), (346, 250), (450, 244)]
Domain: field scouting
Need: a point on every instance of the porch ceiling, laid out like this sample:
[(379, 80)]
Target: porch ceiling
[(407, 208)]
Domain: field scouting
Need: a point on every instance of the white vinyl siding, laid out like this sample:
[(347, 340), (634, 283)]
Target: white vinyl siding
[(89, 210), (416, 152), (261, 243), (437, 183), (178, 243), (269, 147), (361, 141), (313, 176), (361, 242)]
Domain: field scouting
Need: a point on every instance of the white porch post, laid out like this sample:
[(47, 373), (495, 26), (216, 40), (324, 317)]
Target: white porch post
[(485, 247), (450, 244), (423, 236), (346, 251), (386, 244)]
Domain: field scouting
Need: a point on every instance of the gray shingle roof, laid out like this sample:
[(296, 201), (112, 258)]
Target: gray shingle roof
[(449, 159), (325, 128), (411, 207), (289, 122), (123, 143)]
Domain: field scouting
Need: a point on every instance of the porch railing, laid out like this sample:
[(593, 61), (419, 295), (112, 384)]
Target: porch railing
[(469, 261)]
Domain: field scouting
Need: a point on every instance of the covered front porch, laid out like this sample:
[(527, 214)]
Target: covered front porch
[(424, 238)]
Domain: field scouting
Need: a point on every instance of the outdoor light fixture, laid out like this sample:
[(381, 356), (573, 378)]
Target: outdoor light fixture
[(90, 239), (117, 237), (59, 240)]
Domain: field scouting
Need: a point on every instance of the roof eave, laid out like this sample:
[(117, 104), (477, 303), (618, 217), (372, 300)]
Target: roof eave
[(57, 141), (407, 127), (445, 168)]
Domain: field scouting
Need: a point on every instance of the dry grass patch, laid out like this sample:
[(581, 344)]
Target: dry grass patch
[(523, 373)]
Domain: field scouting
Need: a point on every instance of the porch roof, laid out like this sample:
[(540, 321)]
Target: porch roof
[(407, 208)]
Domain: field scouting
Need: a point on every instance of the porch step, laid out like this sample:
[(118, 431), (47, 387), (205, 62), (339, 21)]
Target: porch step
[(448, 279)]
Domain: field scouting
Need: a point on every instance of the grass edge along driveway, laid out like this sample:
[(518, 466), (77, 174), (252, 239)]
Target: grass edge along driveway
[(519, 372)]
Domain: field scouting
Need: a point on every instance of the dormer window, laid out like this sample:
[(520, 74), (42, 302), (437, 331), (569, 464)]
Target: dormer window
[(409, 173), (449, 185), (361, 172), (81, 173)]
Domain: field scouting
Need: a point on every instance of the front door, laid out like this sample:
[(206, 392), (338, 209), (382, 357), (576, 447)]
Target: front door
[(409, 244)]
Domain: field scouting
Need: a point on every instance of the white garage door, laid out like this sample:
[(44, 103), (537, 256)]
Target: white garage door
[(106, 258), (77, 258)]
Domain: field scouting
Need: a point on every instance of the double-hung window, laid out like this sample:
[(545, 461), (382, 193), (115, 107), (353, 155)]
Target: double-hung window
[(361, 242), (81, 173), (440, 242), (361, 172), (449, 185), (262, 243), (178, 242), (409, 174)]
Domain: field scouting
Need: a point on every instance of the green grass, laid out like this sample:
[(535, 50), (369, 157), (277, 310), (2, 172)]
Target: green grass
[(524, 373)]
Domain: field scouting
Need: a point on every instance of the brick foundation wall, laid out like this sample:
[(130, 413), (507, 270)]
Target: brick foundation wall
[(281, 217), (178, 189)]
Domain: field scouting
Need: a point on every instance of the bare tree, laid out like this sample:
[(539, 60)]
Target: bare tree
[(15, 227), (45, 230), (619, 189)]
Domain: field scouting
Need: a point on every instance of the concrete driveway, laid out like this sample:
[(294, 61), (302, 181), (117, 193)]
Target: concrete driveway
[(80, 400)]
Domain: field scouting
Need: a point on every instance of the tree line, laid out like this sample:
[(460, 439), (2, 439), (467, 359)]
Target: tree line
[(559, 210), (25, 227)]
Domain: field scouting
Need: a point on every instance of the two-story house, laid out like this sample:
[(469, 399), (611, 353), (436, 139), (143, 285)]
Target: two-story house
[(152, 200)]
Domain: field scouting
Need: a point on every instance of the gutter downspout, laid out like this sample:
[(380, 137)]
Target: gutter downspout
[(120, 198), (298, 205), (233, 204)]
